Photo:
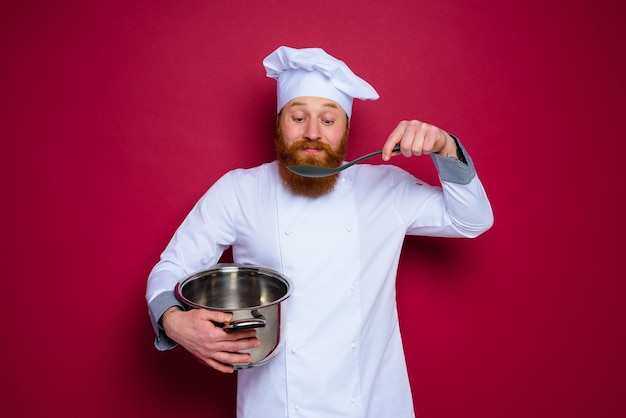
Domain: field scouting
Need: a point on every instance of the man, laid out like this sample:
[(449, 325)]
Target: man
[(338, 239)]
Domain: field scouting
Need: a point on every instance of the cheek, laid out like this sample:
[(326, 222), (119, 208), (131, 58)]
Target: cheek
[(289, 139), (336, 135), (290, 132)]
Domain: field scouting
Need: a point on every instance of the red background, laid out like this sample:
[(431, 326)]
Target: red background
[(116, 116)]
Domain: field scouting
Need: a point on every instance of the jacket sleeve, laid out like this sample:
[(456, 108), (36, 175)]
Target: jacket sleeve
[(197, 244), (458, 209)]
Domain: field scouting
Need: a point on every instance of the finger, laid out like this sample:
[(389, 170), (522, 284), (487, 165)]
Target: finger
[(215, 364), (432, 138), (237, 345), (229, 359), (428, 138), (425, 138), (220, 367), (239, 335), (214, 316), (428, 142), (216, 333), (394, 138), (410, 142)]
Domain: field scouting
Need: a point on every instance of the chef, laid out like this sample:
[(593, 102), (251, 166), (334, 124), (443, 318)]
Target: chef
[(338, 239)]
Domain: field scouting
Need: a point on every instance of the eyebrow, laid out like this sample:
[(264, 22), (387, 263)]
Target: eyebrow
[(327, 104)]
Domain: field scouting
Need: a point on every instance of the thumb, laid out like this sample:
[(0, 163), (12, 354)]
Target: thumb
[(217, 316)]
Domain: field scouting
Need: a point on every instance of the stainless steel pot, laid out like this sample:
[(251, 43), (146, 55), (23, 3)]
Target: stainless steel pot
[(252, 294)]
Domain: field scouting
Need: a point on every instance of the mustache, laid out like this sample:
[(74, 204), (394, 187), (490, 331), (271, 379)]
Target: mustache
[(305, 144)]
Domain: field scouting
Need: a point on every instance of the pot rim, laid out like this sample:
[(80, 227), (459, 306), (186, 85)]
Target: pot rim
[(233, 268)]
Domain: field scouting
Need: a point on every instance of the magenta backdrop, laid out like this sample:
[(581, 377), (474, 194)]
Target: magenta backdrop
[(116, 116)]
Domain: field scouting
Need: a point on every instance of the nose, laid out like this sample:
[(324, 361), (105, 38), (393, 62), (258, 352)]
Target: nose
[(312, 131)]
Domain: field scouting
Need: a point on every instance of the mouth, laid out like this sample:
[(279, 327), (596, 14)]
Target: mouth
[(310, 155), (312, 149)]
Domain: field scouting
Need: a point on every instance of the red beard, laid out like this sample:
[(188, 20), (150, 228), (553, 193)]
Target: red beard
[(293, 155)]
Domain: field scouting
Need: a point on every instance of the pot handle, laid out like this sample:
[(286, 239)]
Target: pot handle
[(247, 323)]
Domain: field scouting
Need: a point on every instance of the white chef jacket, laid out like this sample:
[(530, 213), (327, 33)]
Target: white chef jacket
[(342, 353)]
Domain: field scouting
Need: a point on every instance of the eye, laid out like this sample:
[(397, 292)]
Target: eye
[(297, 119), (327, 122)]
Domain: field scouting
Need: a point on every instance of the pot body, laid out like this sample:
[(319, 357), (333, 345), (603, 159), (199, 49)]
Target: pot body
[(253, 295)]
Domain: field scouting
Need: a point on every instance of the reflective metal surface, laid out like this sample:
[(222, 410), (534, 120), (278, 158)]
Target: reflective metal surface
[(233, 287), (252, 294)]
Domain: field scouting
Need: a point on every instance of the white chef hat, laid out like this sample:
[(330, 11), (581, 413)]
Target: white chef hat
[(313, 72)]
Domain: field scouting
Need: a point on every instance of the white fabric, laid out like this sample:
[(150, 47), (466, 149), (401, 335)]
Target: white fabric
[(313, 72), (343, 352)]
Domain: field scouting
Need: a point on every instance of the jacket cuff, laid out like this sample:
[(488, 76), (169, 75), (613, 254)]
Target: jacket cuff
[(157, 307), (453, 170)]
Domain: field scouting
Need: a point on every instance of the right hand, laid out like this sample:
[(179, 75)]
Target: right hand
[(419, 138), (195, 331)]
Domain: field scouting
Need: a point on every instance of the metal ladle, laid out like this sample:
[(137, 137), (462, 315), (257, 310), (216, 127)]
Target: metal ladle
[(317, 171)]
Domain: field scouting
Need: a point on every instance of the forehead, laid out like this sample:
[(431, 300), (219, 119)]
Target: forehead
[(312, 103)]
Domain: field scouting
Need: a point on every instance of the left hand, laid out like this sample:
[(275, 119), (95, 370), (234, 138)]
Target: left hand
[(419, 138)]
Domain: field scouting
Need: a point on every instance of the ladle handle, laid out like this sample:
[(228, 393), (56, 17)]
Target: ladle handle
[(371, 154)]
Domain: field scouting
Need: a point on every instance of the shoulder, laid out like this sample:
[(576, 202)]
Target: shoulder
[(247, 182), (262, 173)]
